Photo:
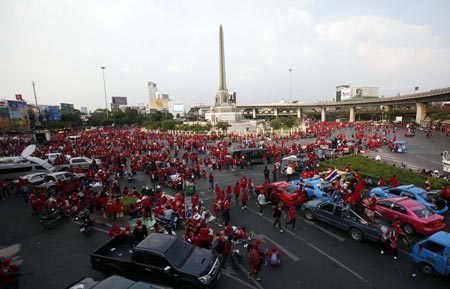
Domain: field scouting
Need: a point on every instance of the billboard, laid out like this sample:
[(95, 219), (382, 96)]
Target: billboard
[(177, 108), (66, 108), (18, 114), (346, 93), (5, 124), (159, 104), (119, 100), (54, 113)]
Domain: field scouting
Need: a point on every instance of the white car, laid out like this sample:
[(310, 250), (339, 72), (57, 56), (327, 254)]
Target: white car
[(84, 162), (33, 179)]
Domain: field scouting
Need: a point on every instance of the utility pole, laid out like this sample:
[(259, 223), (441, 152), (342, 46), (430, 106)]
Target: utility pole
[(104, 86), (290, 84), (37, 106)]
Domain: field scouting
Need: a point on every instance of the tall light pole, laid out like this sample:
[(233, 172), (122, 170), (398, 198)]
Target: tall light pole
[(290, 84), (104, 86)]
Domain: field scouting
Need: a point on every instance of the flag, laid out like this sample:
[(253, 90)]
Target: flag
[(332, 175)]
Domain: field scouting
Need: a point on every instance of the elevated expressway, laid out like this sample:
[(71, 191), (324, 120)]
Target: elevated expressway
[(276, 109)]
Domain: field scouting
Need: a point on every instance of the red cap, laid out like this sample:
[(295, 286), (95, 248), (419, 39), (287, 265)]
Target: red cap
[(139, 222)]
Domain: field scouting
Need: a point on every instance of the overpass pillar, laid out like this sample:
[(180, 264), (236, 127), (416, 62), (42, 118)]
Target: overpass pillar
[(421, 111), (351, 118), (275, 112), (323, 116), (254, 113), (299, 113)]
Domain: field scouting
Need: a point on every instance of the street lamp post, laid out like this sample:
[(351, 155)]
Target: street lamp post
[(290, 84), (104, 87)]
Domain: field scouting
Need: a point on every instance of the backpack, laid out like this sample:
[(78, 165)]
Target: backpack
[(273, 258)]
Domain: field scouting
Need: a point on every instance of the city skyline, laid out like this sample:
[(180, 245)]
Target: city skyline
[(61, 45)]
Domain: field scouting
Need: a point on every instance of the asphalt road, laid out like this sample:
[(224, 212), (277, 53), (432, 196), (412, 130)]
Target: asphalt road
[(313, 256)]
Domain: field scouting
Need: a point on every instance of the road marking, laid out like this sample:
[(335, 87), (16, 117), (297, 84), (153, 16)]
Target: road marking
[(240, 281), (337, 262), (339, 238), (286, 251), (254, 281), (321, 252)]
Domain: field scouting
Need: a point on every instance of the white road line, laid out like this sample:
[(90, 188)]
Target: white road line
[(254, 281), (339, 238), (239, 280), (323, 253), (337, 262), (286, 251)]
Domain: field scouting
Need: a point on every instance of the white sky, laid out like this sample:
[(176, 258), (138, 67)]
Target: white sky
[(61, 44)]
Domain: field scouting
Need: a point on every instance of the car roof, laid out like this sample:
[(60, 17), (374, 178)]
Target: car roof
[(441, 237), (412, 189), (157, 242), (404, 201)]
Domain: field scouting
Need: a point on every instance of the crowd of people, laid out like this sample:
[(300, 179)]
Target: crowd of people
[(191, 158)]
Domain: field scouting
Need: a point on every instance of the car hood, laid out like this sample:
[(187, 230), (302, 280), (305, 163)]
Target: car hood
[(199, 263), (312, 203)]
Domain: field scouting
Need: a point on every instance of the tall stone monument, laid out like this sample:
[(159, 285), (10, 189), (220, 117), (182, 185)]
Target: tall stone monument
[(224, 108)]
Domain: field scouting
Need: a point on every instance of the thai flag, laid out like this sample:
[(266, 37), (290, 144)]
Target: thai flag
[(331, 175)]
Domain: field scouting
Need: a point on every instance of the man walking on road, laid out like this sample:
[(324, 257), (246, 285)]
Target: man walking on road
[(277, 212), (261, 202), (292, 217)]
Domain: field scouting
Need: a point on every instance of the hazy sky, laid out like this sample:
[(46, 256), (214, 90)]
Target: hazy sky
[(61, 44)]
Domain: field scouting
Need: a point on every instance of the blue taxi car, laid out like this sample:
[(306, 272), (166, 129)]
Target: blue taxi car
[(430, 200), (433, 254), (316, 188)]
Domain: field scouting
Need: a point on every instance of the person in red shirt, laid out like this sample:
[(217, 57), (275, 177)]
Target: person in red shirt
[(372, 207), (445, 193), (255, 262), (292, 217), (236, 191), (394, 181), (114, 231), (274, 257), (8, 274), (244, 199), (381, 182)]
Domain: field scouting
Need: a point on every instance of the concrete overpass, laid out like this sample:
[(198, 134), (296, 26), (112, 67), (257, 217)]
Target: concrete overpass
[(277, 109)]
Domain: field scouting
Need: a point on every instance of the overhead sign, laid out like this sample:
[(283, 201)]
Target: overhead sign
[(66, 108), (18, 114)]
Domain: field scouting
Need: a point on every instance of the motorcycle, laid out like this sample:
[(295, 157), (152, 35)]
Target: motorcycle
[(55, 216), (170, 225), (86, 225)]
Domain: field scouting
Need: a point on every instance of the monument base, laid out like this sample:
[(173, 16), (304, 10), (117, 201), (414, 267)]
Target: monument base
[(232, 116)]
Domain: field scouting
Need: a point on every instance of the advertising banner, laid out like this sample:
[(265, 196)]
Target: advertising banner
[(5, 123), (54, 113), (18, 114)]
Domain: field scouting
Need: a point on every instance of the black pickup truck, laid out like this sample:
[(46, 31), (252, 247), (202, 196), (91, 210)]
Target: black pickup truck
[(164, 259)]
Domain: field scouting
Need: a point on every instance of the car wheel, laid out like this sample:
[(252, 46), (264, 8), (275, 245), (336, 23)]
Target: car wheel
[(309, 215), (409, 229), (427, 269), (356, 234)]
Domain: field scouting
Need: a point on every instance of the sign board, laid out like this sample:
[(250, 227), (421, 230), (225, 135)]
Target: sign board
[(187, 203), (66, 108), (18, 114)]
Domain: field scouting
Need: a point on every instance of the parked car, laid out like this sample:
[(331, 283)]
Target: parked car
[(429, 199), (316, 188), (433, 254), (116, 282), (414, 217), (32, 179), (252, 155), (50, 180), (335, 214), (165, 259), (287, 194), (84, 162)]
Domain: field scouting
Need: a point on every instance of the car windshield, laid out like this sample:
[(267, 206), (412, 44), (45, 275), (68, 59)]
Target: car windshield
[(422, 212), (326, 187), (290, 190), (179, 252)]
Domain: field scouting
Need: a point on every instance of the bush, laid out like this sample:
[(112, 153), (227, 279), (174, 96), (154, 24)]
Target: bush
[(127, 201), (376, 169)]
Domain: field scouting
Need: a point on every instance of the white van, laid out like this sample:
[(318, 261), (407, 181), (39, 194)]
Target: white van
[(74, 137), (14, 167)]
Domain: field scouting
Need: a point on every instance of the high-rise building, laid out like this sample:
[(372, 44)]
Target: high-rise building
[(84, 109), (152, 90)]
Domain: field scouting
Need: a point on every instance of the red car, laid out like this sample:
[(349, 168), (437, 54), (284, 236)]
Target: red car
[(286, 193), (414, 217)]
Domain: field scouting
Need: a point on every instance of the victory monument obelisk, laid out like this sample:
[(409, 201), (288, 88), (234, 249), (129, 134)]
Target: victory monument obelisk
[(224, 108)]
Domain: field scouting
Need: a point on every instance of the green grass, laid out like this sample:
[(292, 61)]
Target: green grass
[(375, 169)]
